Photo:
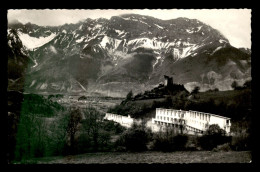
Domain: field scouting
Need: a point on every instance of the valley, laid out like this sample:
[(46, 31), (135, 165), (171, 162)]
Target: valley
[(63, 79), (102, 104)]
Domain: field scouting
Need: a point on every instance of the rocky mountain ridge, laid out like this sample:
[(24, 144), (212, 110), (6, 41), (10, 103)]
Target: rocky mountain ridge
[(127, 52)]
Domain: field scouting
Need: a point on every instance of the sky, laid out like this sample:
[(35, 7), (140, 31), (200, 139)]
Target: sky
[(234, 24)]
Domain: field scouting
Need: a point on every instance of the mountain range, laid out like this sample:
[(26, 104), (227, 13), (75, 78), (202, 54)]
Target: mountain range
[(110, 57)]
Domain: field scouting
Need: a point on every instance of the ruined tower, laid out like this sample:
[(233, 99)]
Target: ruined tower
[(168, 81)]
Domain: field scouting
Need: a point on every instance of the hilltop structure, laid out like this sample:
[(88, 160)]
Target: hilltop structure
[(168, 81)]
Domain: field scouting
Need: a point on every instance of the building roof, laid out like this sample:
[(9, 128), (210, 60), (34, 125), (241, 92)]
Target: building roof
[(198, 112), (211, 114)]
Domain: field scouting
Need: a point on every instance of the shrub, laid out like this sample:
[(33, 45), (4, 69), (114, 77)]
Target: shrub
[(192, 143), (225, 147), (119, 129), (112, 126), (84, 143), (241, 142), (135, 138), (213, 137), (169, 141)]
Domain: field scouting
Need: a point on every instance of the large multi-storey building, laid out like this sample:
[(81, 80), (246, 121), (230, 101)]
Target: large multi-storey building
[(191, 120), (187, 121)]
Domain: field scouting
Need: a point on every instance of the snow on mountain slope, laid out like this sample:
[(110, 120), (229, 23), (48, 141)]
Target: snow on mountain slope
[(160, 27), (110, 41), (131, 49), (33, 42)]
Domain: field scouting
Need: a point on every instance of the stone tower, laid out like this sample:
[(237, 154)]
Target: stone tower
[(168, 81)]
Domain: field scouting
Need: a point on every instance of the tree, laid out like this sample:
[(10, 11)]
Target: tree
[(25, 137), (214, 129), (234, 85), (216, 89), (213, 137), (135, 138), (129, 96), (31, 137), (73, 127), (169, 140), (92, 125), (195, 90), (247, 84), (58, 134), (40, 137)]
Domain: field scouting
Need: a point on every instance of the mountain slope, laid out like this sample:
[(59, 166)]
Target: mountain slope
[(129, 52)]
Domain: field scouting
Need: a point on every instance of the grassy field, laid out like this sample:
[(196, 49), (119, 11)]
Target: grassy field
[(150, 158)]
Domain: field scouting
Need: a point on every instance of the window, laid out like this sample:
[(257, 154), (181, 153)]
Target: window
[(167, 118), (163, 118), (227, 121)]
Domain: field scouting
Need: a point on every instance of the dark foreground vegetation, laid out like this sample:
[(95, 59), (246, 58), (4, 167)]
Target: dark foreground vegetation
[(90, 145)]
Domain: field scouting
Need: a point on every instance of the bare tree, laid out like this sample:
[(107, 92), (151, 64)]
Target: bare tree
[(92, 124), (58, 133), (73, 126)]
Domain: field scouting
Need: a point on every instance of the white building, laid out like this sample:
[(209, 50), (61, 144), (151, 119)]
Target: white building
[(192, 120), (128, 121), (122, 120)]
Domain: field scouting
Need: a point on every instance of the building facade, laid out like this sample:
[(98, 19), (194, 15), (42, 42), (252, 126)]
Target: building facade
[(128, 121), (194, 121), (122, 120), (190, 122)]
